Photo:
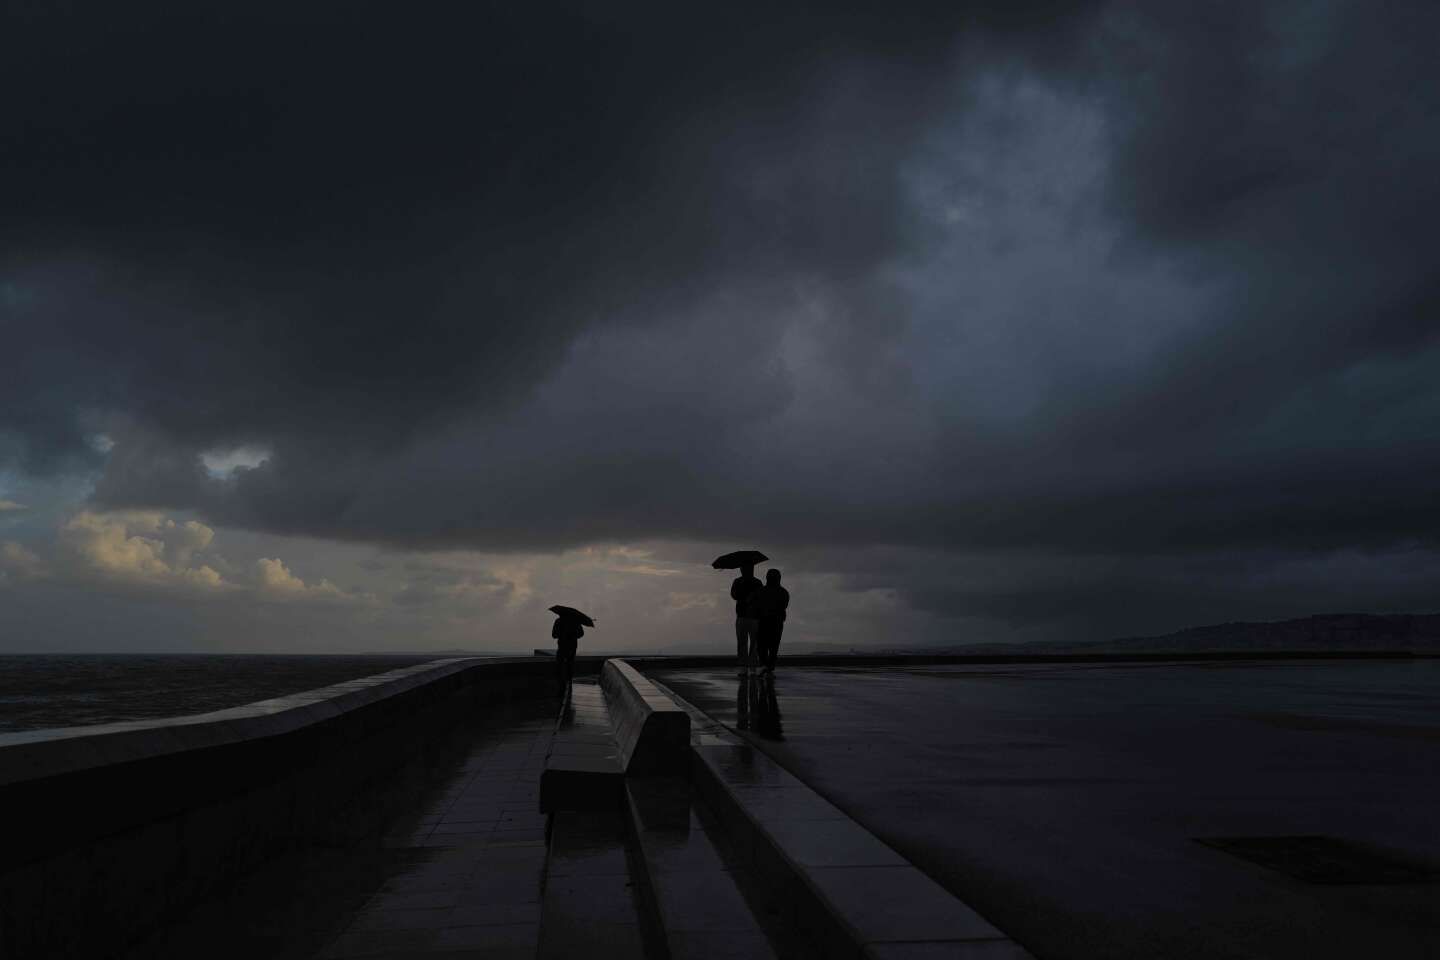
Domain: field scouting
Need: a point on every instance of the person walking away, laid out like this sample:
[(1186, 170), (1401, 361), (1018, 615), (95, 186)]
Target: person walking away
[(566, 632), (769, 605), (742, 591)]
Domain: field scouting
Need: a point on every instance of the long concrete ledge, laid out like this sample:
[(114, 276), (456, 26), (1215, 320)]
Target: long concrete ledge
[(651, 731), (110, 829), (37, 754)]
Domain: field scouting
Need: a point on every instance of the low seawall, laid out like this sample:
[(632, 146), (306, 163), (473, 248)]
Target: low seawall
[(110, 830)]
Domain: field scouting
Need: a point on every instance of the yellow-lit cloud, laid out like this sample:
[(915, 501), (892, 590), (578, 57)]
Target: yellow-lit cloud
[(19, 562), (142, 547), (275, 581)]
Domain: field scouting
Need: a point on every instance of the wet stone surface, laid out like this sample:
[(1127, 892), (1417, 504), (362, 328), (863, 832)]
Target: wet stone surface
[(591, 905), (460, 875), (1062, 802)]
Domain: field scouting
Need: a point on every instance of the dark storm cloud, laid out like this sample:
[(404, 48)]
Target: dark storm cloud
[(1099, 597), (332, 230), (1285, 151), (346, 223), (1102, 283)]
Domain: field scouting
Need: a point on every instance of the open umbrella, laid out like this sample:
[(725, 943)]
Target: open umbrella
[(740, 558), (572, 613)]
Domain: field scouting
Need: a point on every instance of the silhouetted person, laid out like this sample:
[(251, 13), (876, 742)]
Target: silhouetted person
[(742, 591), (567, 633), (769, 604)]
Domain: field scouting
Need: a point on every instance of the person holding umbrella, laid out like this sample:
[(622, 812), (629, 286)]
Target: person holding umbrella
[(742, 589), (567, 630)]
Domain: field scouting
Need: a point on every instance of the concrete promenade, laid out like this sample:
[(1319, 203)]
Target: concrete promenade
[(458, 875), (1065, 802), (1229, 808), (742, 862)]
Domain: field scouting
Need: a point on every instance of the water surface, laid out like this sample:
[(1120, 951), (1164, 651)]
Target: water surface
[(40, 690)]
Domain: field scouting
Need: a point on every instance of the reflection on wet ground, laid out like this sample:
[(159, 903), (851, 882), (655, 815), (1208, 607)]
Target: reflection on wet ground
[(757, 707), (1064, 801)]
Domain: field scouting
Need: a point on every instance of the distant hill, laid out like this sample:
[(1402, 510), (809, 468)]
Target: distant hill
[(1334, 631), (1419, 633)]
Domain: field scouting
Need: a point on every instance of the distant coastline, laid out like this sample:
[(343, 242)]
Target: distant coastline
[(1327, 632), (1318, 633), (58, 690)]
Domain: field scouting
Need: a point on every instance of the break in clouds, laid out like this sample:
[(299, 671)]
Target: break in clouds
[(993, 320)]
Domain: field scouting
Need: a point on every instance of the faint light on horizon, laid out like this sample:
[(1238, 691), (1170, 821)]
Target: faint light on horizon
[(223, 463)]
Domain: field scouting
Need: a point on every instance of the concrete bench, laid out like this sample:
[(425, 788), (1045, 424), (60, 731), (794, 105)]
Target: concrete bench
[(623, 727), (583, 770), (651, 731)]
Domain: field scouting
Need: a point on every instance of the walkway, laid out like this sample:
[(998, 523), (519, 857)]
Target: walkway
[(458, 876), (1064, 802)]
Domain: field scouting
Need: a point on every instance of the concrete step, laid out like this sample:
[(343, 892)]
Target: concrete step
[(583, 770), (590, 905), (621, 726), (706, 903)]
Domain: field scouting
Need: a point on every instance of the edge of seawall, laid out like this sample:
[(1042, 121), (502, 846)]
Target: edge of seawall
[(128, 823)]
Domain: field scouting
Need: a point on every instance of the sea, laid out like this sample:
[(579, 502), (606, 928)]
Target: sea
[(40, 691)]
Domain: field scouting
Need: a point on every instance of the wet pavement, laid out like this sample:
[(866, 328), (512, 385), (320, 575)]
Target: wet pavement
[(1066, 802), (459, 875)]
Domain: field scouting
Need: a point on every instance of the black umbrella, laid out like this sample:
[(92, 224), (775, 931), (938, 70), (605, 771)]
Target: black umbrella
[(740, 558), (572, 613)]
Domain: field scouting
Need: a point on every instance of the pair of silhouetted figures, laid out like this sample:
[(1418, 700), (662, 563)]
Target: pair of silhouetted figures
[(759, 618), (759, 622)]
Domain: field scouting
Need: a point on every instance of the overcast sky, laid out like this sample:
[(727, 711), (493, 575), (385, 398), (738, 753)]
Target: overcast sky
[(346, 326)]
